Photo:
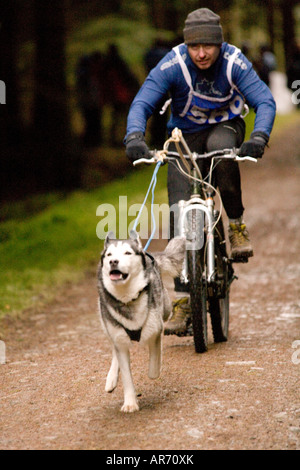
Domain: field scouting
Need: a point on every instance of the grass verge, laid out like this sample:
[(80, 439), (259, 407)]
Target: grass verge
[(59, 244)]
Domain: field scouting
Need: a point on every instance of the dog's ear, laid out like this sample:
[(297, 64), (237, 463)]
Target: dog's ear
[(135, 237), (110, 236)]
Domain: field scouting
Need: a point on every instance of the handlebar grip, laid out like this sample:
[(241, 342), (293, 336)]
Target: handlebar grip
[(250, 159), (144, 160)]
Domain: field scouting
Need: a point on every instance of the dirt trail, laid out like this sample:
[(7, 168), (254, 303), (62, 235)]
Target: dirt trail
[(240, 395)]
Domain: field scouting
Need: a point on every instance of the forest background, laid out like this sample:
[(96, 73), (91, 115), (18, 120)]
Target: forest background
[(42, 42), (50, 182)]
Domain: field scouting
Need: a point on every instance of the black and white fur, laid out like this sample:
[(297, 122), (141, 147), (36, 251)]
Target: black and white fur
[(134, 304)]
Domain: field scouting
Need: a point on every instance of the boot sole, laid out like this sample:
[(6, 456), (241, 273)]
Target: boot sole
[(241, 257), (177, 333)]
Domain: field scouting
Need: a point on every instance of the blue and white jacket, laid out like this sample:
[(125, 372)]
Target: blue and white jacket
[(202, 98)]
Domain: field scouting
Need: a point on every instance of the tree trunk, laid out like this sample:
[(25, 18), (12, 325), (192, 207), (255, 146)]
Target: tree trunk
[(10, 118), (11, 129), (157, 13), (56, 164), (270, 22), (288, 28)]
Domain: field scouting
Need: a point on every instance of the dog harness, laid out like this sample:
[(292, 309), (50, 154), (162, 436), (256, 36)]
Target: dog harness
[(134, 335)]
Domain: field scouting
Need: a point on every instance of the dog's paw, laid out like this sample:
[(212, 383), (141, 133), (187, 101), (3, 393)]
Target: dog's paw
[(130, 407), (153, 375), (109, 388), (154, 371), (110, 385)]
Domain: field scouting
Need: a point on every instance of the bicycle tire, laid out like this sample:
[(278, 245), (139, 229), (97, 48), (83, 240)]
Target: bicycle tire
[(218, 303), (197, 287)]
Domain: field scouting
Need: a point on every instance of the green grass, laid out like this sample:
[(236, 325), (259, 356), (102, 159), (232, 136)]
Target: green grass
[(59, 244)]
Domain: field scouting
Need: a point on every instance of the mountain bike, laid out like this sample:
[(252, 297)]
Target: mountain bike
[(207, 269)]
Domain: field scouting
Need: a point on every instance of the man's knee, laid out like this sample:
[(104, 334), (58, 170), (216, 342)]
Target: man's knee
[(221, 138), (226, 135)]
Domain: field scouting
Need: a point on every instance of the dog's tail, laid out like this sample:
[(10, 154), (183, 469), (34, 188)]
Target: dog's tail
[(170, 261)]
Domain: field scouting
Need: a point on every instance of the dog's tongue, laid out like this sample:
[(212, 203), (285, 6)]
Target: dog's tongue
[(115, 276)]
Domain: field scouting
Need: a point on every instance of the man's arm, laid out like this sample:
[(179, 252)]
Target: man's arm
[(155, 87), (151, 93), (259, 97), (257, 94)]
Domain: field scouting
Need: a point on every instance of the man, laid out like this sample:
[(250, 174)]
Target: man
[(209, 82)]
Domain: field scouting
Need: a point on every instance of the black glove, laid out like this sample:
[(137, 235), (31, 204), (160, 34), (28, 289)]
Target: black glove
[(136, 147), (254, 147)]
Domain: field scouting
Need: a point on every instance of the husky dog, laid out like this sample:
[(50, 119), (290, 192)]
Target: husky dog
[(134, 303)]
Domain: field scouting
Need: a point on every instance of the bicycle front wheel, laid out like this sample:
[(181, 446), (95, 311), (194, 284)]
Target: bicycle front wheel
[(198, 297), (218, 303)]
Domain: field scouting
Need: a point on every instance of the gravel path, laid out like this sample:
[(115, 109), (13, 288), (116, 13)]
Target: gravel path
[(243, 394)]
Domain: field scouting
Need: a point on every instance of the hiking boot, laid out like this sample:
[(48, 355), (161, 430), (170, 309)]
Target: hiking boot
[(241, 248), (180, 319)]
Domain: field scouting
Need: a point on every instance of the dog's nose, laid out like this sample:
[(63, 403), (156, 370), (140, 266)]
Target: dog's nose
[(114, 262)]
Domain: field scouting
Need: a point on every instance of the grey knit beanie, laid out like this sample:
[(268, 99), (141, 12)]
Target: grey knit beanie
[(202, 26)]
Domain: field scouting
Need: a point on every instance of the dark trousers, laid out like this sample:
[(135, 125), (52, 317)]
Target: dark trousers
[(226, 174)]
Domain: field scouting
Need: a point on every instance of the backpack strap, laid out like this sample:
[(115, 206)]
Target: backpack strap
[(184, 68), (231, 61)]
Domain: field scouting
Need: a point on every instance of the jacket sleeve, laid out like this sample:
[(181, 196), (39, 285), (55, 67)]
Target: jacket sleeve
[(155, 87), (256, 93)]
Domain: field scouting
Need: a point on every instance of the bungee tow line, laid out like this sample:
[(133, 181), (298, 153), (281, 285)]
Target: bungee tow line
[(151, 186)]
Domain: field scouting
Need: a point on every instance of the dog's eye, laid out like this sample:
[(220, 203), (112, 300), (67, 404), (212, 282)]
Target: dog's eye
[(108, 254), (128, 253)]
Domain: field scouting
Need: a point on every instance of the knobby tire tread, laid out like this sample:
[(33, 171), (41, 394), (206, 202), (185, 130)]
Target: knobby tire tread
[(198, 295), (219, 307)]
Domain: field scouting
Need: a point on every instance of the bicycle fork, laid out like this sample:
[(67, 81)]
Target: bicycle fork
[(195, 235)]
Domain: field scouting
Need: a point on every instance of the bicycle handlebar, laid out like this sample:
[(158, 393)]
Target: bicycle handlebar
[(230, 154)]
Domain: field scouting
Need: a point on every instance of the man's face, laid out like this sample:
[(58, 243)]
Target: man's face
[(204, 55)]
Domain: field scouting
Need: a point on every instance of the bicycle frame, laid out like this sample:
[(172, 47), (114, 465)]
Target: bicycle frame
[(206, 208), (196, 202), (207, 269)]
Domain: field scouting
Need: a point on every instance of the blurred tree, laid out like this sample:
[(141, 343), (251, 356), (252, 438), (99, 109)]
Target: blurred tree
[(270, 9), (171, 15), (10, 117), (11, 129), (277, 18), (157, 11), (56, 163), (96, 7), (288, 29), (165, 15), (47, 156)]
